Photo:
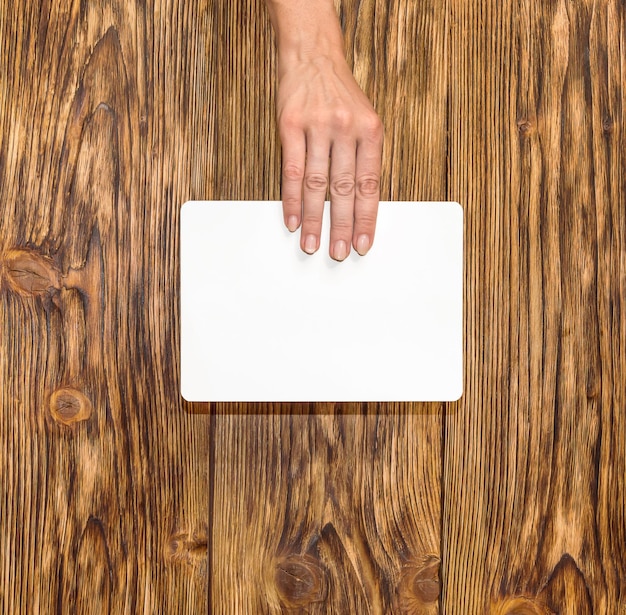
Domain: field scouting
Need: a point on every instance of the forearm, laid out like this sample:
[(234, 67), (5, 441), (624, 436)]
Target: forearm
[(305, 29)]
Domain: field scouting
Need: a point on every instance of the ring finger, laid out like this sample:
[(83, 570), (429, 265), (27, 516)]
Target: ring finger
[(314, 192)]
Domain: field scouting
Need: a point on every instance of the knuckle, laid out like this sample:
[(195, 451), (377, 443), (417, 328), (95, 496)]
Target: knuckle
[(316, 182), (342, 185), (311, 222), (366, 220), (292, 203), (368, 185), (343, 118), (292, 170), (319, 119), (289, 122), (373, 128), (342, 227)]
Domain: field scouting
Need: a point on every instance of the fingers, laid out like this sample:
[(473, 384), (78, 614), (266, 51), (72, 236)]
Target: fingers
[(354, 184), (368, 165), (294, 152), (342, 188), (305, 182), (314, 191)]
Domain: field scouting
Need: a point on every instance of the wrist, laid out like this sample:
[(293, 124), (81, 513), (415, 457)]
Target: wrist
[(306, 29), (293, 58)]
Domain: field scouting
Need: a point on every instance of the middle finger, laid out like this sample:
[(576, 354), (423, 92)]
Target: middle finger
[(342, 192)]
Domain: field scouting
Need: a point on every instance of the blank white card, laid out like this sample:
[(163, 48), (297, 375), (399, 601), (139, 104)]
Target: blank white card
[(263, 321)]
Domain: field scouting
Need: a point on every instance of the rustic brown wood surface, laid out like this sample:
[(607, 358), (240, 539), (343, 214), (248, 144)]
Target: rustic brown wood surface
[(104, 505), (534, 489), (118, 497)]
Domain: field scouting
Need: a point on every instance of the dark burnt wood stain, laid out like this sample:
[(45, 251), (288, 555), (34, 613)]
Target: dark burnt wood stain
[(119, 497), (101, 469)]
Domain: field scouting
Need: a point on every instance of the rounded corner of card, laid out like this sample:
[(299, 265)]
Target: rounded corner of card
[(186, 395), (186, 206)]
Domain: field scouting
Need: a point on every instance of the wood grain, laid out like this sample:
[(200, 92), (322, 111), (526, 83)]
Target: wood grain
[(104, 478), (329, 508), (310, 519), (534, 481), (512, 500)]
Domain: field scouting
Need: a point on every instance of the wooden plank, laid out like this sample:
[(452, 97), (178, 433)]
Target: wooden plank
[(329, 508), (535, 463), (104, 493), (332, 513), (104, 500)]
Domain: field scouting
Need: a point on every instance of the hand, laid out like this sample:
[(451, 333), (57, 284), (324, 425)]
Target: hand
[(322, 112)]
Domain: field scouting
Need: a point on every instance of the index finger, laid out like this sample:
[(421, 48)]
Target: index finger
[(369, 154)]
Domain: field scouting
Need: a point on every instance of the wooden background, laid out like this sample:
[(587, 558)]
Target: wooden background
[(118, 497)]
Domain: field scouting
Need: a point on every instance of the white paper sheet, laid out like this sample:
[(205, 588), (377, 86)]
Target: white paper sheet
[(263, 321)]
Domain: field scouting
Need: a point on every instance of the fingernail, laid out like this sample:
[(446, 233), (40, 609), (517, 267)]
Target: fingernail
[(363, 244), (340, 250), (292, 223), (310, 243)]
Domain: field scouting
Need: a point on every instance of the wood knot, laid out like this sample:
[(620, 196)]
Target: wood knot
[(188, 547), (69, 406), (525, 127), (419, 584), (29, 273), (300, 580), (519, 606), (607, 125)]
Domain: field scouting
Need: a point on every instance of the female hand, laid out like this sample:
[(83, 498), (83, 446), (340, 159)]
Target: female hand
[(322, 113)]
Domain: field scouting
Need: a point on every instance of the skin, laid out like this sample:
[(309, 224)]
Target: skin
[(322, 113)]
